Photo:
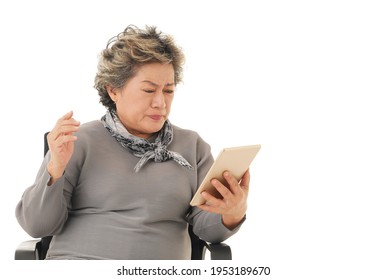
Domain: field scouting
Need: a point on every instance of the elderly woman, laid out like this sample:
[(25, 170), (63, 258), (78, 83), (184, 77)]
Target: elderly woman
[(120, 187)]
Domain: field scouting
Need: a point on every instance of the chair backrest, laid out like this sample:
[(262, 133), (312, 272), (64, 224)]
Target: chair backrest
[(197, 244)]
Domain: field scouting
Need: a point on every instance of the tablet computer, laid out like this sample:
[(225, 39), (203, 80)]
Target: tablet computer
[(236, 160)]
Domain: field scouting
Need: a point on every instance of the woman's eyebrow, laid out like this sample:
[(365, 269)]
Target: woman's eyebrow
[(155, 84)]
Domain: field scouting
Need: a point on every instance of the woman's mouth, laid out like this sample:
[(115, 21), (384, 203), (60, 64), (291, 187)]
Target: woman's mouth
[(155, 117)]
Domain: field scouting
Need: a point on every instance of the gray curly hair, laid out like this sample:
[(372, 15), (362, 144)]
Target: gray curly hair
[(130, 49)]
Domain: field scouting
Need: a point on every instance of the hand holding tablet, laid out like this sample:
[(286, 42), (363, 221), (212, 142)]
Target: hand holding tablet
[(236, 160)]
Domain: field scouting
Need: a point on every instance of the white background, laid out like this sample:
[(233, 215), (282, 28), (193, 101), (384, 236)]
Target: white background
[(305, 79)]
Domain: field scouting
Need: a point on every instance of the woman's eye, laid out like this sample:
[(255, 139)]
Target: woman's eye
[(169, 91), (149, 90)]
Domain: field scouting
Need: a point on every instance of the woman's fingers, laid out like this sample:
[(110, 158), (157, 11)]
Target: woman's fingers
[(64, 138), (233, 196), (234, 187), (63, 131), (61, 143), (244, 183), (67, 116), (65, 125)]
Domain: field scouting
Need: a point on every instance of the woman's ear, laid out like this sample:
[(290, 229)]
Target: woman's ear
[(112, 93)]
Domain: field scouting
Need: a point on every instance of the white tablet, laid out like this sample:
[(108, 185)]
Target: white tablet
[(236, 160)]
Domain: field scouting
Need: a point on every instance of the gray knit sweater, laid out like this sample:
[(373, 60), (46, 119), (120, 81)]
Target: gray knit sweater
[(101, 209)]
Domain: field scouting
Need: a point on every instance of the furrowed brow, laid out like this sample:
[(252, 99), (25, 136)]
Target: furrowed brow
[(155, 84)]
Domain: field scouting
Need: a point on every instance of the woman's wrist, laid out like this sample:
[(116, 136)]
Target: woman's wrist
[(232, 222), (55, 173)]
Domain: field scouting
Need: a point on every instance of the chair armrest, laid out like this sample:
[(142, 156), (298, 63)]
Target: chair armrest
[(27, 250), (219, 251)]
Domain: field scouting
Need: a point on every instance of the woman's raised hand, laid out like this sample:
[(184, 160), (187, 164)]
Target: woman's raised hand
[(61, 143)]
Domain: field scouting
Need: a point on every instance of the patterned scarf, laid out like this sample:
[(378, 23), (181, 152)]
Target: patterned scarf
[(142, 148)]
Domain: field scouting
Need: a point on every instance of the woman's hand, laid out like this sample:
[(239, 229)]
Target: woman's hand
[(61, 144), (233, 204)]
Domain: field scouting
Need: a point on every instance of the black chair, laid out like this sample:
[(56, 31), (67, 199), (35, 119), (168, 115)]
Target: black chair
[(36, 249)]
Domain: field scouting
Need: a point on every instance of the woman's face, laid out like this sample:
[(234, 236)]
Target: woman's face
[(143, 103)]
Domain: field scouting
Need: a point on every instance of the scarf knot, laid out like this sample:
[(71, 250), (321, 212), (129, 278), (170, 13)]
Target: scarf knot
[(142, 148), (161, 154)]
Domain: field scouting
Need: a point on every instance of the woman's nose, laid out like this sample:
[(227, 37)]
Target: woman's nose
[(158, 100)]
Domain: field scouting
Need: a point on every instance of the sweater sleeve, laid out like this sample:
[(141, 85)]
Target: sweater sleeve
[(43, 209), (207, 226)]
